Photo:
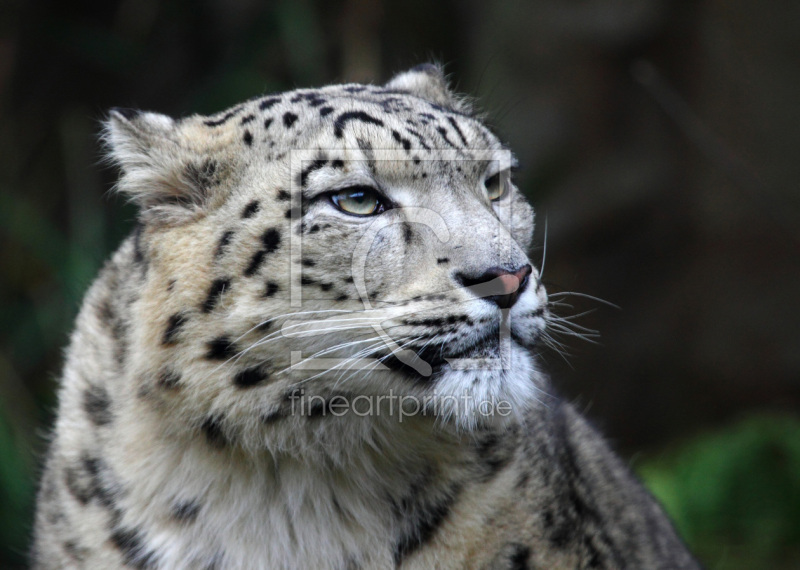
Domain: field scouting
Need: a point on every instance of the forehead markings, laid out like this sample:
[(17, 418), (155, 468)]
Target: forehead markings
[(419, 137), (268, 103), (453, 122), (443, 132), (225, 118), (360, 116), (313, 98), (315, 165), (366, 148), (401, 140)]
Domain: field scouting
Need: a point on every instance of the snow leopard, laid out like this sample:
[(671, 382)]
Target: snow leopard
[(319, 348)]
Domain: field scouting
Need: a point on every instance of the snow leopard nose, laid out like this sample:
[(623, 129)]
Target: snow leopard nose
[(498, 285)]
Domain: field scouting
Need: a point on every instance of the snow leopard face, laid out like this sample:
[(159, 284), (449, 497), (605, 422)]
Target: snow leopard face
[(334, 243)]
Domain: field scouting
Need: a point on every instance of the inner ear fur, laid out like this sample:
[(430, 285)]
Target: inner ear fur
[(166, 180)]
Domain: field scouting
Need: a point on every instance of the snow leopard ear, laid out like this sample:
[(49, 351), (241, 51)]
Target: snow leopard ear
[(168, 181), (428, 82)]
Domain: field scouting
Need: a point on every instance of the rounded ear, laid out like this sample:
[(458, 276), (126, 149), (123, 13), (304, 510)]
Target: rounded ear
[(158, 173), (428, 82)]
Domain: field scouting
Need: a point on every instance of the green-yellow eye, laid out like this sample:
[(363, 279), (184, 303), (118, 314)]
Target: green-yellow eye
[(358, 200), (496, 185)]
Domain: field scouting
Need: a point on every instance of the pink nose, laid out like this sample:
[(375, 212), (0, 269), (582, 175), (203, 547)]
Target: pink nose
[(509, 282), (501, 286)]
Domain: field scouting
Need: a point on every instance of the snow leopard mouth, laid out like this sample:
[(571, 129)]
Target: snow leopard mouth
[(439, 356)]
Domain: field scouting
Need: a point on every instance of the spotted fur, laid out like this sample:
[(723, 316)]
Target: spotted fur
[(192, 430)]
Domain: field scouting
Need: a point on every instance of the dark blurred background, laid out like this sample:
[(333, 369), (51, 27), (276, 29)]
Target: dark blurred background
[(658, 141)]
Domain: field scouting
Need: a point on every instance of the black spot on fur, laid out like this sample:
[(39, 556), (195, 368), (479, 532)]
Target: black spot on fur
[(308, 262), (344, 118), (247, 118), (74, 551), (212, 428), (221, 348), (427, 517), (315, 165), (255, 263), (97, 405), (267, 123), (289, 119), (271, 240), (272, 288), (318, 409), (224, 119), (251, 209), (407, 233), (223, 242), (250, 377), (134, 553), (248, 138), (218, 287), (337, 163), (442, 131), (185, 511), (77, 485), (402, 140), (441, 260), (306, 281), (495, 452), (326, 286), (168, 378), (89, 480), (325, 111), (174, 325), (455, 126), (518, 560), (283, 195), (269, 102), (419, 138), (313, 229)]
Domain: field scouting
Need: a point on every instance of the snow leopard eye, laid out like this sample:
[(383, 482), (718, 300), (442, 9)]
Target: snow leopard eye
[(358, 201), (496, 185)]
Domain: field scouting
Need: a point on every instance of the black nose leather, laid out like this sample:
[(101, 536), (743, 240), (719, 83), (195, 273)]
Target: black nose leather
[(498, 285)]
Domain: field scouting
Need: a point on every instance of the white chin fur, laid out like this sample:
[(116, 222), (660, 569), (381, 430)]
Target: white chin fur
[(471, 397)]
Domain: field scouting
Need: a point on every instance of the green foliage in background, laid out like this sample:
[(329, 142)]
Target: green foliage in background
[(16, 493), (735, 494)]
